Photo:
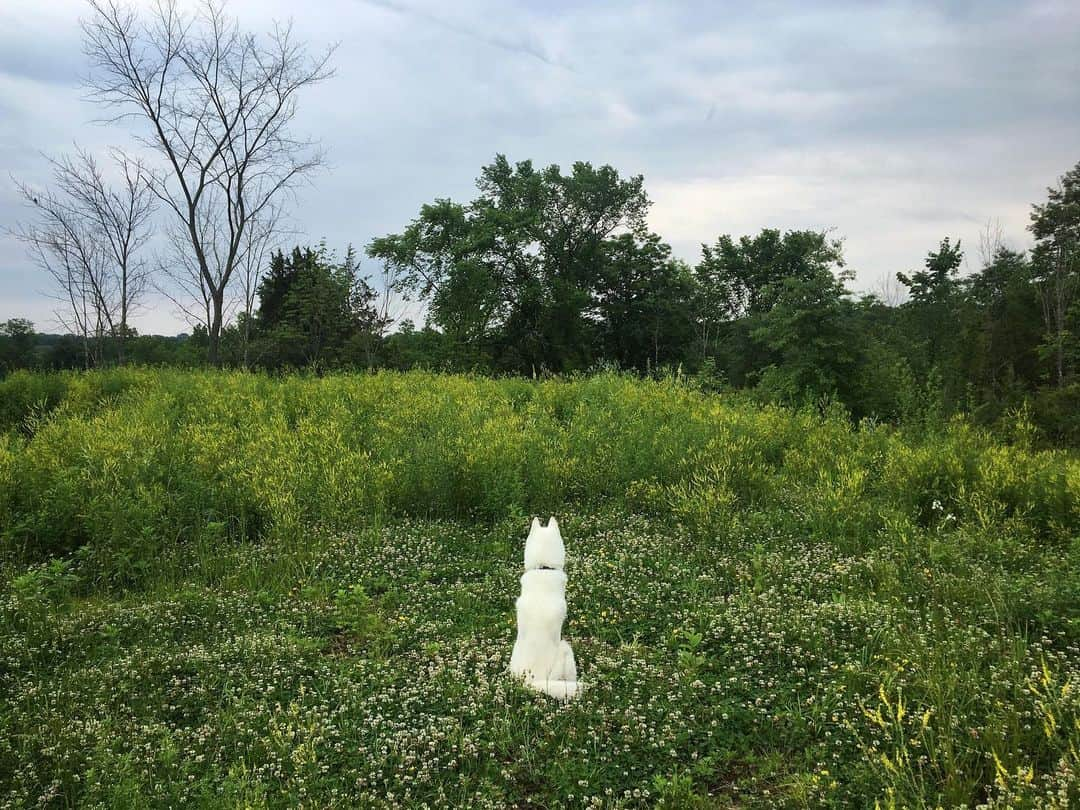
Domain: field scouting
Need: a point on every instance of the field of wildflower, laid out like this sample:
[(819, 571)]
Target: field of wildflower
[(220, 589)]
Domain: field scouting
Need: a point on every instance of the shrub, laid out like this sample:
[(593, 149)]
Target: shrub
[(137, 460)]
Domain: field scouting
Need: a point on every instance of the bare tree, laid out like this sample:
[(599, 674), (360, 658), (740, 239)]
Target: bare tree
[(180, 279), (889, 289), (217, 103), (120, 217), (74, 263), (258, 242), (88, 237), (392, 303), (991, 241)]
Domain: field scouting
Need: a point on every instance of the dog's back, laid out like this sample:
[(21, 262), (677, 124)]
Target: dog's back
[(541, 610)]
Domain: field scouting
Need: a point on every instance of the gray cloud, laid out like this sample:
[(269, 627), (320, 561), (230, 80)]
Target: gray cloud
[(896, 123)]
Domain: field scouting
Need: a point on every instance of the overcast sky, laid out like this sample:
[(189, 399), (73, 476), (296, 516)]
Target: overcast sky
[(894, 123)]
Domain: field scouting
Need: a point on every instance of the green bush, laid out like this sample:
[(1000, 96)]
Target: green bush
[(26, 396), (264, 456)]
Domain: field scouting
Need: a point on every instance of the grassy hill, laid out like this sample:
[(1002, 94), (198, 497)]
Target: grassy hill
[(230, 590)]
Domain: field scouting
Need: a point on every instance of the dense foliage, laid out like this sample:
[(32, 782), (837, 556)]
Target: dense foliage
[(548, 272), (226, 589)]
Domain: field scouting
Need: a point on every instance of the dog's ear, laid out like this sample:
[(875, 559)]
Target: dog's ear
[(535, 524), (553, 523)]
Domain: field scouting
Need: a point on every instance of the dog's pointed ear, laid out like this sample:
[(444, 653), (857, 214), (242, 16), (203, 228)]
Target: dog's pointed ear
[(535, 524), (553, 523)]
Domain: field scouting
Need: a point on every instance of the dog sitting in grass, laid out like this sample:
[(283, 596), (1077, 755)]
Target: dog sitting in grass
[(540, 655)]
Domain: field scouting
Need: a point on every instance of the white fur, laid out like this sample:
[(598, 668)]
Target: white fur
[(540, 656), (560, 690), (544, 546)]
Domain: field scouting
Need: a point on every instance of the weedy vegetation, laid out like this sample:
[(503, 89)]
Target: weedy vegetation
[(221, 589)]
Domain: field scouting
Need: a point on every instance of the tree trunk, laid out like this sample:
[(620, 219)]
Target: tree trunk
[(121, 338), (656, 343), (213, 349), (123, 318)]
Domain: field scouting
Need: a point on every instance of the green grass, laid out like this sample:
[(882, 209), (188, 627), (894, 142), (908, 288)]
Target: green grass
[(228, 590)]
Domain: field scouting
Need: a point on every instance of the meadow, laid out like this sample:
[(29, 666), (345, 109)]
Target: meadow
[(221, 589)]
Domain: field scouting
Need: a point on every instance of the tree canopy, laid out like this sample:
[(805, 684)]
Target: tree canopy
[(549, 270)]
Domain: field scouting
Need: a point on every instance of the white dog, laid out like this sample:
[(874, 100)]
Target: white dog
[(540, 656)]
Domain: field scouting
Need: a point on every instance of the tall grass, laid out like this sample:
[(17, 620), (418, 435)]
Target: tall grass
[(110, 458)]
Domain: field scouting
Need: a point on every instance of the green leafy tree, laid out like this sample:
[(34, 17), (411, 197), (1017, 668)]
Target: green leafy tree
[(518, 269), (645, 303), (17, 341), (742, 275), (1055, 224), (1001, 327), (278, 281), (443, 259), (738, 281), (315, 311), (938, 282), (810, 328), (931, 314)]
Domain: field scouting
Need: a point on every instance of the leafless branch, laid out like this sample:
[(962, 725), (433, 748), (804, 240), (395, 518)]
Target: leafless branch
[(218, 104), (87, 236)]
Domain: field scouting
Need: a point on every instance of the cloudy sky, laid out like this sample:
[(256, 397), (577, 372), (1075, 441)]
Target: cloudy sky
[(894, 123)]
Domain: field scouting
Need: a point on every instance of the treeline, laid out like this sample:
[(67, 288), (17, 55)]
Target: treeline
[(552, 272), (543, 272)]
